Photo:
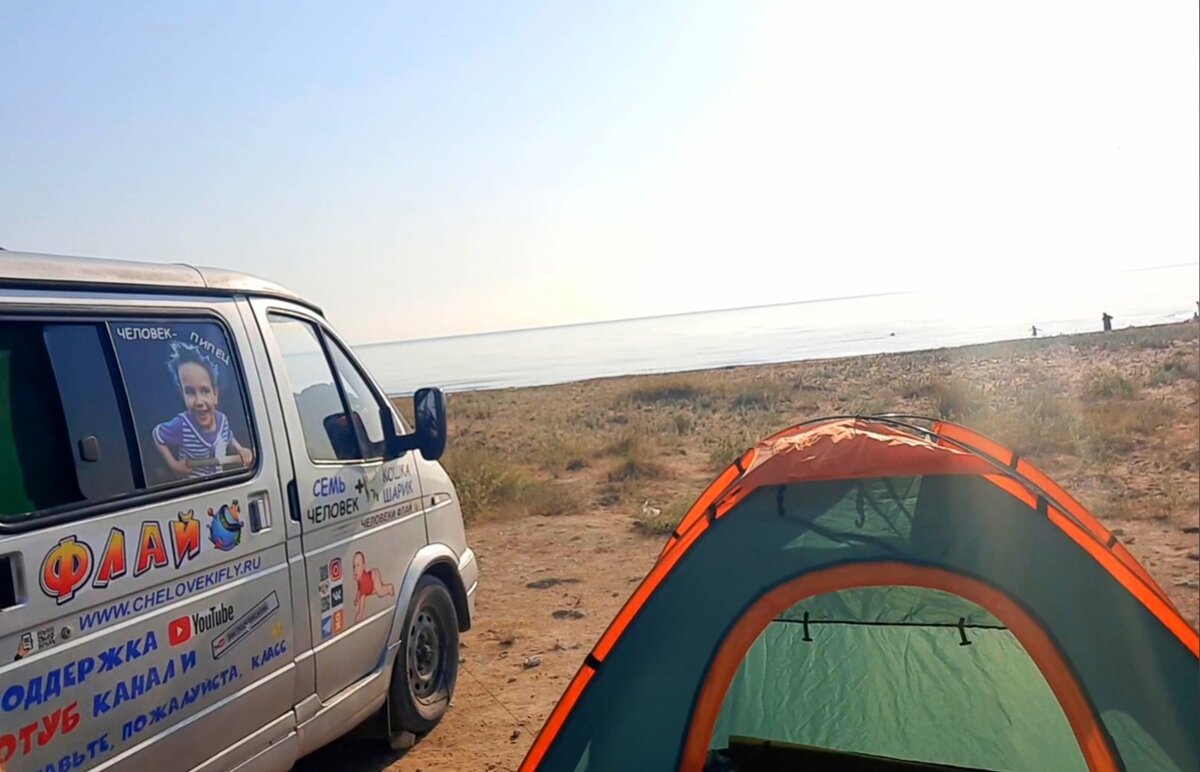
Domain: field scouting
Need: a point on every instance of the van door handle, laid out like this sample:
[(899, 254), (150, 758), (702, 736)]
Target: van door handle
[(293, 501), (260, 514), (10, 586)]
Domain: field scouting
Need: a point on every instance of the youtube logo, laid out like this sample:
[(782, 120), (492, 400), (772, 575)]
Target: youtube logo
[(179, 631)]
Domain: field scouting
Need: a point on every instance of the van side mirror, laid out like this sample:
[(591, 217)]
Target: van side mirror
[(429, 410), (429, 436)]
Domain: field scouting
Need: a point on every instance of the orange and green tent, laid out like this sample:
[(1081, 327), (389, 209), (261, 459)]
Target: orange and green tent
[(885, 593)]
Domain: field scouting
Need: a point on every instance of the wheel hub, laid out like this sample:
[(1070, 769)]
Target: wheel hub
[(424, 655)]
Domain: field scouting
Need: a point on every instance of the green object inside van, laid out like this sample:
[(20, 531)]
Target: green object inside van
[(37, 469)]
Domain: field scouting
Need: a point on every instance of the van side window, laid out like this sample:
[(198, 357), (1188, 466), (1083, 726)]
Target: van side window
[(62, 440), (98, 438), (338, 417), (185, 393), (361, 400)]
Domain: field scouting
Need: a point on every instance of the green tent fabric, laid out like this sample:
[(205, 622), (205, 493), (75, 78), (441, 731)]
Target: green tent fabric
[(884, 673)]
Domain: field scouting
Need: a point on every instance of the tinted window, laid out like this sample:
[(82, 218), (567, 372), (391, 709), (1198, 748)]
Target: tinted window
[(184, 391), (339, 417), (62, 438), (322, 415), (361, 400), (36, 468), (95, 420)]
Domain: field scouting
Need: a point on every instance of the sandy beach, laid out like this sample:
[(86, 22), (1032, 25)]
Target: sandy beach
[(569, 490)]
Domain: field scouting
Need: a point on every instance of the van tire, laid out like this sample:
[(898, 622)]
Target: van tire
[(426, 666)]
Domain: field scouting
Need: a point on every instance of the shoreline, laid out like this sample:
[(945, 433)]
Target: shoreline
[(1068, 338), (675, 315)]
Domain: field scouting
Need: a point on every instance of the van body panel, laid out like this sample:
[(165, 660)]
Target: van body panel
[(272, 748), (361, 520), (240, 714), (426, 557), (345, 710), (305, 670), (30, 269), (468, 570), (135, 625), (231, 618), (444, 523)]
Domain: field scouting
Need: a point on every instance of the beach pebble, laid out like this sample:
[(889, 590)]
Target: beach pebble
[(564, 613), (543, 584)]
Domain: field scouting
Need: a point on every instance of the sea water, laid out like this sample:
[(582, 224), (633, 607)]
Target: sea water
[(903, 321)]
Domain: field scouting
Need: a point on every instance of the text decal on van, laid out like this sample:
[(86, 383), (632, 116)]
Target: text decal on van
[(71, 563), (163, 595)]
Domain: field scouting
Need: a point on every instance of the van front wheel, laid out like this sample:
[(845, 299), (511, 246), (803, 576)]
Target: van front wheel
[(427, 664)]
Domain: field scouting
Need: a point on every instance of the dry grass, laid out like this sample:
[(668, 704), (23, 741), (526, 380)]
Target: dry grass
[(489, 486), (485, 481), (1096, 411), (1181, 365), (1043, 421), (727, 448), (1148, 338), (1110, 384), (637, 468), (754, 398), (661, 520), (636, 457), (683, 423), (950, 398), (563, 451), (553, 498), (637, 464), (668, 390), (628, 443), (1110, 429)]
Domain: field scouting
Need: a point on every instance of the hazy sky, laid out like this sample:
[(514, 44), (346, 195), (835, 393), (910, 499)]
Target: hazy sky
[(433, 168)]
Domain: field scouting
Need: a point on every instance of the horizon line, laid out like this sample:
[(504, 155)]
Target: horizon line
[(1159, 267), (635, 318)]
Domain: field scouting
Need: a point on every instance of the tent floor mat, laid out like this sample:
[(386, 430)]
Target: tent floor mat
[(748, 754)]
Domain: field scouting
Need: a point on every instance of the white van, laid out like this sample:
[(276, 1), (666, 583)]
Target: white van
[(220, 548)]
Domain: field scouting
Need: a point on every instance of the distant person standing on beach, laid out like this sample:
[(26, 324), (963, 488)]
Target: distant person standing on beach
[(1034, 328), (1106, 320)]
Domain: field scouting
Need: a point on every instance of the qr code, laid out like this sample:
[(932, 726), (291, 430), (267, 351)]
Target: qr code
[(324, 573), (45, 638)]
